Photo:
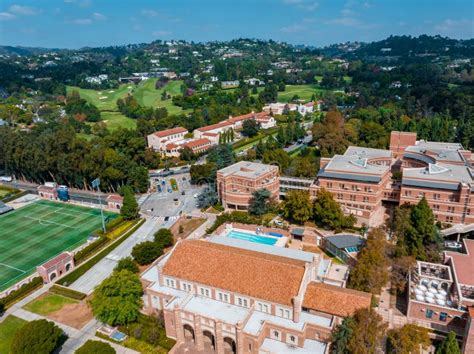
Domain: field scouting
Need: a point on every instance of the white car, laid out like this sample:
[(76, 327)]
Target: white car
[(6, 179), (196, 195)]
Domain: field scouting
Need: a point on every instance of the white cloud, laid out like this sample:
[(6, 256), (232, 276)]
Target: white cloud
[(161, 33), (303, 4), (150, 13), (81, 21), (22, 10), (345, 21), (5, 16), (461, 27), (98, 16), (295, 28)]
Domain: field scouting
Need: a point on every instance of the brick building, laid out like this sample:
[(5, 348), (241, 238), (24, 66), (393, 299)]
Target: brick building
[(441, 296), (56, 267), (236, 183), (231, 299)]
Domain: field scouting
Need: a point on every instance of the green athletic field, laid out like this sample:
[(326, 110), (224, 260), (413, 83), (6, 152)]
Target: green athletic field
[(40, 231)]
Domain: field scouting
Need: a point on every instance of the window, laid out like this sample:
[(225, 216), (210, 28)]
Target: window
[(275, 335), (170, 282), (263, 307), (223, 297), (242, 302), (366, 199), (436, 207), (352, 198), (450, 209), (186, 286), (282, 312), (339, 196), (329, 184), (443, 316), (292, 339), (205, 292), (429, 313), (436, 196)]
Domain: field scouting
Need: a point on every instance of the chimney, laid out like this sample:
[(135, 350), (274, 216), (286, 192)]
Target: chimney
[(296, 309)]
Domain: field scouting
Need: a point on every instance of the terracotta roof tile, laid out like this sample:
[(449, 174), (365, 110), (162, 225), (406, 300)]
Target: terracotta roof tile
[(168, 132), (259, 275), (58, 259), (334, 300), (214, 126), (198, 142)]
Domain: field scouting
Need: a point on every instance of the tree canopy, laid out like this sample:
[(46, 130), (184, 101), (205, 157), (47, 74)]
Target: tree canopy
[(260, 202), (164, 238), (146, 252), (39, 336), (129, 209), (328, 212), (95, 347), (449, 345), (297, 206), (370, 273), (127, 263), (118, 299), (408, 339), (368, 330)]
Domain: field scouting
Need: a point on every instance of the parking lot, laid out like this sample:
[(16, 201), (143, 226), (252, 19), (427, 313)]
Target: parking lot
[(170, 202)]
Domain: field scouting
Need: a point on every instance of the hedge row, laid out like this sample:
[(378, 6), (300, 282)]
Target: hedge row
[(22, 292), (89, 249), (78, 272), (66, 292), (10, 197), (235, 216), (111, 225)]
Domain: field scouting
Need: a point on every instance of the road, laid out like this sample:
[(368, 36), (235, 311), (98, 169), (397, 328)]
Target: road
[(94, 276)]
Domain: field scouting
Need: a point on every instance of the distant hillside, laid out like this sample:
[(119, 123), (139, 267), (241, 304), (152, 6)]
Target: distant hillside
[(404, 46), (9, 50)]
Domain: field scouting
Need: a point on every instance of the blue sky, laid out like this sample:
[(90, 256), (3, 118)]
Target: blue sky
[(78, 23)]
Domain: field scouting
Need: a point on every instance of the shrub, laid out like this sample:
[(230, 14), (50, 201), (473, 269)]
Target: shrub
[(18, 294), (39, 336), (127, 263), (235, 216), (90, 249), (66, 292), (95, 347), (146, 252), (164, 238)]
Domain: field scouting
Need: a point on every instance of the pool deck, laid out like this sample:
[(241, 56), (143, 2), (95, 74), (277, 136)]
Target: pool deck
[(256, 230)]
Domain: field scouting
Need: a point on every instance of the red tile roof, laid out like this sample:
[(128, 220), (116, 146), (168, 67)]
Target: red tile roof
[(58, 259), (197, 143), (334, 300), (115, 198), (214, 126), (259, 275), (168, 132)]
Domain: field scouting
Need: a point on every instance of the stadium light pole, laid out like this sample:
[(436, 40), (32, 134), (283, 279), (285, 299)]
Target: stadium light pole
[(96, 184)]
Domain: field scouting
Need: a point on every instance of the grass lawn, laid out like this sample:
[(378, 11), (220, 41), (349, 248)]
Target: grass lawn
[(8, 328), (103, 99), (189, 225), (114, 120), (147, 95), (48, 303), (303, 91), (35, 233)]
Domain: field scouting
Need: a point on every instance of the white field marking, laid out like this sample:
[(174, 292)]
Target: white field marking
[(9, 266), (65, 212), (49, 222)]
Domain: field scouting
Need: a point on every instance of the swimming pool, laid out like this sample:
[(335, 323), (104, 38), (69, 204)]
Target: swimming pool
[(252, 237)]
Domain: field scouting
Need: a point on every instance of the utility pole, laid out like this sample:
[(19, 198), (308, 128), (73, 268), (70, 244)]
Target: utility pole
[(96, 184)]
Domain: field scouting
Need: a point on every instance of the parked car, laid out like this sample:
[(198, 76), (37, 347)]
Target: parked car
[(6, 179), (453, 245), (183, 193)]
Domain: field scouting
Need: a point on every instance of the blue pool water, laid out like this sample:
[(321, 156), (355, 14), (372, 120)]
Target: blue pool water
[(251, 237)]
